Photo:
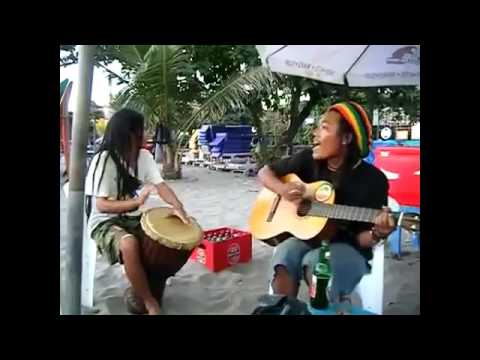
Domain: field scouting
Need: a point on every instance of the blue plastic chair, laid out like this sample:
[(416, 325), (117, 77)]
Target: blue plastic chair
[(395, 238), (331, 311)]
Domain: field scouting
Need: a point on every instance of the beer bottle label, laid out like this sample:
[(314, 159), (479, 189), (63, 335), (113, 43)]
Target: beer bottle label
[(313, 287)]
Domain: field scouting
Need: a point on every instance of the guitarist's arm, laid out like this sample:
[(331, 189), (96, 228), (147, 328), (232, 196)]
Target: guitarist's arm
[(270, 175), (270, 180), (367, 235), (290, 191)]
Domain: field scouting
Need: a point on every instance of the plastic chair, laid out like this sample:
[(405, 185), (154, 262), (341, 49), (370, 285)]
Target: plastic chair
[(370, 288), (395, 238), (89, 258)]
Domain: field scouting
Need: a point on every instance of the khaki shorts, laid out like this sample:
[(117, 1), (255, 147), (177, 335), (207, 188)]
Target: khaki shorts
[(107, 235)]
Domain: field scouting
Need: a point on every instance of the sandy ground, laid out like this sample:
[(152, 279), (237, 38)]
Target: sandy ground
[(218, 199)]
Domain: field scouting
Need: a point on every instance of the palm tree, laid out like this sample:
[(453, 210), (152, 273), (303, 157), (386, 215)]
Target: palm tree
[(156, 92)]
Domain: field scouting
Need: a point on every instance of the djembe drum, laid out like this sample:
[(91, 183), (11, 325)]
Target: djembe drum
[(168, 242), (166, 245)]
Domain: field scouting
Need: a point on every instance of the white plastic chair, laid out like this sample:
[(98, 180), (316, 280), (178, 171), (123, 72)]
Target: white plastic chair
[(89, 258), (371, 286)]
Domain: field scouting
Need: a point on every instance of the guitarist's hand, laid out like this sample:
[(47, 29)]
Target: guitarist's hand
[(384, 224), (293, 191)]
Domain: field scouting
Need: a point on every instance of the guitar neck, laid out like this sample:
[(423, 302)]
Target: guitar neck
[(344, 212)]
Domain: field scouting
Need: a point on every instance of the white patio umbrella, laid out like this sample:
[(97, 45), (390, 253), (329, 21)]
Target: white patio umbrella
[(352, 65)]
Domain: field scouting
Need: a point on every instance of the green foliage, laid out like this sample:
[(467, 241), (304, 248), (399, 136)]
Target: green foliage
[(154, 90), (270, 128), (235, 94), (183, 86), (304, 135)]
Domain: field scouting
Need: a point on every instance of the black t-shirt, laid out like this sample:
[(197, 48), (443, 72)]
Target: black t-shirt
[(363, 186)]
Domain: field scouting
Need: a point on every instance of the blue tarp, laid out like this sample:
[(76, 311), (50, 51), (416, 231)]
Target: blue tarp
[(218, 139), (226, 138)]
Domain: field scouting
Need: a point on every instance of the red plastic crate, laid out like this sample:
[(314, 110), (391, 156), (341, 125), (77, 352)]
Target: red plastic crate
[(217, 256)]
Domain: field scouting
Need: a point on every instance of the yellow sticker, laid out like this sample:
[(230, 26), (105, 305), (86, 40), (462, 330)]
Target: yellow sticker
[(323, 192)]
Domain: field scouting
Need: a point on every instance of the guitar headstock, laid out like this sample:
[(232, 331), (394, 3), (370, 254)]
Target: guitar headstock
[(409, 221)]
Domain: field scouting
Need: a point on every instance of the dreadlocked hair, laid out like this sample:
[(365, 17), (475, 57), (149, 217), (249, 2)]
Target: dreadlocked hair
[(125, 127), (351, 158)]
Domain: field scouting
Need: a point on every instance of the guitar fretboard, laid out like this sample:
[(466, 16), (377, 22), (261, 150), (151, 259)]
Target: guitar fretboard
[(344, 212)]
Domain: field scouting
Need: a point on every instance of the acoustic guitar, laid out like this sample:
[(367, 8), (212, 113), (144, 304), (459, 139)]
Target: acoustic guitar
[(273, 217)]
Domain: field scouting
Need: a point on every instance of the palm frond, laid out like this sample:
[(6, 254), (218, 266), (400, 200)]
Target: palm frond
[(129, 97), (163, 63), (133, 101), (154, 88), (234, 95), (130, 55), (142, 50)]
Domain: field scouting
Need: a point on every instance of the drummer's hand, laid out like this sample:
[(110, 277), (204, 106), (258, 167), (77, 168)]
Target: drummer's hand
[(147, 189), (180, 212)]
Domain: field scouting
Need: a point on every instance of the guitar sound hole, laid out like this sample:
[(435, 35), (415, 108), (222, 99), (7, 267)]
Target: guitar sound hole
[(304, 208)]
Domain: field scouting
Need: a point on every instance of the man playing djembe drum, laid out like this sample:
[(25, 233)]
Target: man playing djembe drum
[(116, 172)]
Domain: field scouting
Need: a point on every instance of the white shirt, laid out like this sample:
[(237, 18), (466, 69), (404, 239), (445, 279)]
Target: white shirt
[(148, 172)]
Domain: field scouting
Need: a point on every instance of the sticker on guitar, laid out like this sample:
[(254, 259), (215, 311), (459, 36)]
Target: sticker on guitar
[(324, 192)]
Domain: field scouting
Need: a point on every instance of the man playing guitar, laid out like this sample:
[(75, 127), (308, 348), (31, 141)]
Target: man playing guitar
[(342, 138)]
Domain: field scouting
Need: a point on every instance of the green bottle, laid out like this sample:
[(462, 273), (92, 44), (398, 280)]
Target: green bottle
[(320, 277)]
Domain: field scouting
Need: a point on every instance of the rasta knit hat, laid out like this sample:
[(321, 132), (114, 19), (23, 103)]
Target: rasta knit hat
[(357, 117)]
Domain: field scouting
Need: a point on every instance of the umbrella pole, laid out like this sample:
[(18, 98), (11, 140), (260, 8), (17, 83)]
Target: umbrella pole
[(73, 264)]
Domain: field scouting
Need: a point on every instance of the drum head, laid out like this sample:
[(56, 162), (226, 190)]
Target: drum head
[(160, 225)]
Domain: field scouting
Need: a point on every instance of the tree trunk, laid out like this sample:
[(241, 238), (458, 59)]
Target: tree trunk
[(158, 153), (172, 165), (261, 147), (298, 118)]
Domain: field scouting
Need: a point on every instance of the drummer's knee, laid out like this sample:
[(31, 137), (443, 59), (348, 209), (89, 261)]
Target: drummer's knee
[(128, 244)]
